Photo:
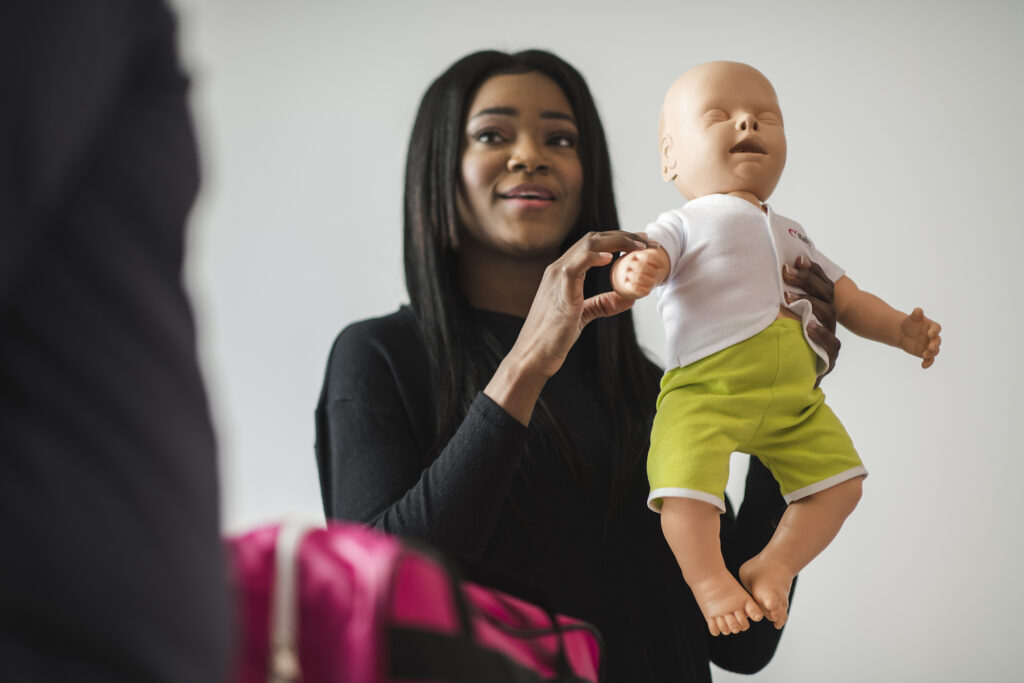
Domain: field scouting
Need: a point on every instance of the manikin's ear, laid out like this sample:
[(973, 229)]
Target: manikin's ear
[(668, 159)]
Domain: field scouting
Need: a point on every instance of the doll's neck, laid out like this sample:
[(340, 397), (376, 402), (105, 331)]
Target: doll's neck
[(749, 196)]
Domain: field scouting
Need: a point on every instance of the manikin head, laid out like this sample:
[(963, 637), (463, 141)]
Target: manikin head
[(721, 132)]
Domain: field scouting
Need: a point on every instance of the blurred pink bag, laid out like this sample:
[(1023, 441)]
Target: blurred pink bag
[(347, 604)]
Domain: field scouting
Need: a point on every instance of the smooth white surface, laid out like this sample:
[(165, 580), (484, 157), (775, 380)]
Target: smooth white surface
[(905, 124)]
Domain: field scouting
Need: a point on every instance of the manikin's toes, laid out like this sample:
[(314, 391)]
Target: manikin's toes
[(726, 606), (769, 584)]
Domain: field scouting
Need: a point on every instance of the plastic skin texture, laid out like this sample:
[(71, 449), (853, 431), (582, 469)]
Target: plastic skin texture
[(721, 132)]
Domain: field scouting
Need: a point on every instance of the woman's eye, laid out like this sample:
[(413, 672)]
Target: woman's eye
[(562, 140), (488, 136)]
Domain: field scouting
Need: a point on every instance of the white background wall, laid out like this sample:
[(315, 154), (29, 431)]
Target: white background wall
[(906, 148)]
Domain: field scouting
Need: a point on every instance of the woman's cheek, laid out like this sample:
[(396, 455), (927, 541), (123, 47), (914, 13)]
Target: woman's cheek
[(477, 174)]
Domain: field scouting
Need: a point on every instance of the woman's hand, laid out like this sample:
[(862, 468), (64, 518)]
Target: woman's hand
[(559, 312), (557, 316), (820, 292)]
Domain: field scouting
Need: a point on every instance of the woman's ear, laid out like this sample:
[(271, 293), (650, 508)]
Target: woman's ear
[(668, 160)]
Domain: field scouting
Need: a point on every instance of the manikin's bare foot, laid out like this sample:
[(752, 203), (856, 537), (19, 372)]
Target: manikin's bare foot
[(806, 528), (691, 529), (726, 606), (769, 583)]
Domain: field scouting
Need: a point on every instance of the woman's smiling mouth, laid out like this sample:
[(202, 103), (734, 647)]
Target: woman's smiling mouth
[(528, 196)]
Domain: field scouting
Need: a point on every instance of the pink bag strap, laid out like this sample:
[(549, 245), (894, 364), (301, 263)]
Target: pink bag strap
[(284, 611)]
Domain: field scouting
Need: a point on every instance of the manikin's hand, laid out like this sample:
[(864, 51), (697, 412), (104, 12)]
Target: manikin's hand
[(638, 272), (820, 291), (919, 336)]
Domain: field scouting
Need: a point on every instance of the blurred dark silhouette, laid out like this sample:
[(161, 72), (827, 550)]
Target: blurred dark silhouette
[(111, 566)]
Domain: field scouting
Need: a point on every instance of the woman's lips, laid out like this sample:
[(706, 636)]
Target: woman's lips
[(528, 197), (528, 192)]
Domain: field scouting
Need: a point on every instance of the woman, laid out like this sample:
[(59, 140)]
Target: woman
[(541, 472)]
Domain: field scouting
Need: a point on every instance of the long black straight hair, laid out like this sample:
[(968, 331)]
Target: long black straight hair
[(463, 356)]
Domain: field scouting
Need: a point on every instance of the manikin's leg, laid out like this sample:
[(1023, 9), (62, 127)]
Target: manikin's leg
[(806, 528), (691, 528)]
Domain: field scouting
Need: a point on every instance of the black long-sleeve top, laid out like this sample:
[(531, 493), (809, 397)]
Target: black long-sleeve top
[(496, 495)]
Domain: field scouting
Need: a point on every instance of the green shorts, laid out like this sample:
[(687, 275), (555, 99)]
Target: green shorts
[(755, 397)]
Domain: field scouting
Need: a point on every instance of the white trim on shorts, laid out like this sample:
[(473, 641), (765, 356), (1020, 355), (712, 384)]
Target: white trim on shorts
[(859, 471), (676, 492)]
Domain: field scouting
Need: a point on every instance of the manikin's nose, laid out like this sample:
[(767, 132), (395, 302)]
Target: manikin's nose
[(746, 122)]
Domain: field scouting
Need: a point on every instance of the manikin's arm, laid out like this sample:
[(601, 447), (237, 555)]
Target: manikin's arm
[(868, 316), (638, 272)]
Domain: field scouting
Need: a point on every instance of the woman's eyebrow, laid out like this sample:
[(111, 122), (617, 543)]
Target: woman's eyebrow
[(557, 115), (512, 111), (503, 111)]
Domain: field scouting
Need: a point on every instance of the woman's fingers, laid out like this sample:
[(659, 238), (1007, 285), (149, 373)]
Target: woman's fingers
[(585, 253), (820, 290), (604, 305), (809, 276), (828, 341), (559, 311), (822, 310)]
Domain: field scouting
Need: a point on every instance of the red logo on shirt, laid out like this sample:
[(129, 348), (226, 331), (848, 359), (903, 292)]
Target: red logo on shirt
[(803, 239)]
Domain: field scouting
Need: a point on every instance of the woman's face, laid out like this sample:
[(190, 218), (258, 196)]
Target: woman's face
[(521, 175)]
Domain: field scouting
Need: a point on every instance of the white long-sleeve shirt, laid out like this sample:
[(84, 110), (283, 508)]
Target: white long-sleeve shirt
[(725, 282)]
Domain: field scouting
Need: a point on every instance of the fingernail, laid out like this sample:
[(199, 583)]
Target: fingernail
[(786, 269), (639, 245)]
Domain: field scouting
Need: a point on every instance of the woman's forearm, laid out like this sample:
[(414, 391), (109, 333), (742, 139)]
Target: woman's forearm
[(516, 387)]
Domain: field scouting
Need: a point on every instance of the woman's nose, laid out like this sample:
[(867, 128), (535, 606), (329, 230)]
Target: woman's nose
[(746, 122), (527, 156)]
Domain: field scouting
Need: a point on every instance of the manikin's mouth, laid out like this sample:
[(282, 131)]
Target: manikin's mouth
[(748, 146), (528, 191)]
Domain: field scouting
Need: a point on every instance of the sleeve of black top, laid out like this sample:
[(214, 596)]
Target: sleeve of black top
[(759, 514), (373, 470), (62, 63)]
